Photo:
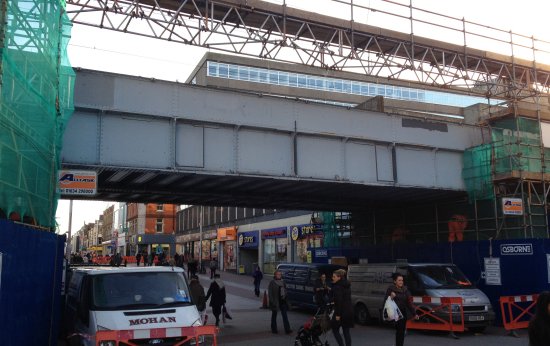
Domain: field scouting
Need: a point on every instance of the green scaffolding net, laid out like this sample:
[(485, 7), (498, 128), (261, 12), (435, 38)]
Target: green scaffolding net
[(515, 146), (35, 105)]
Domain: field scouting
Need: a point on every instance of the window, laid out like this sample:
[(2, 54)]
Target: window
[(212, 69), (159, 225), (160, 207)]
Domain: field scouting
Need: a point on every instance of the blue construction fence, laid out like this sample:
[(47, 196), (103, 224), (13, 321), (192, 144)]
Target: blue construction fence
[(524, 263), (31, 264)]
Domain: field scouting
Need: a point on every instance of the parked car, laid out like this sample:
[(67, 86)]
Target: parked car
[(300, 281)]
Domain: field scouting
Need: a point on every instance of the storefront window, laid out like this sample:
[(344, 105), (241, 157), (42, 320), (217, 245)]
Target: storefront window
[(304, 237), (206, 249), (230, 261), (275, 252)]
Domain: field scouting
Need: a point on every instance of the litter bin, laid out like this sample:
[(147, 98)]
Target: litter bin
[(241, 269)]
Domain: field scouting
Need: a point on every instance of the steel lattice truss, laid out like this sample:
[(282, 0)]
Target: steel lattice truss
[(280, 33)]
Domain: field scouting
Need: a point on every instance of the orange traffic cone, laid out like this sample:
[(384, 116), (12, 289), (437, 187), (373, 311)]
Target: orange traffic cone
[(265, 302)]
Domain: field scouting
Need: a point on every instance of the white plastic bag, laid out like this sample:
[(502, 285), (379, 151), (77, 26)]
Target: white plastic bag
[(391, 311)]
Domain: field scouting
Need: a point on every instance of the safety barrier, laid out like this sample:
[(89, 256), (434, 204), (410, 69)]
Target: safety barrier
[(186, 333), (517, 311), (438, 314)]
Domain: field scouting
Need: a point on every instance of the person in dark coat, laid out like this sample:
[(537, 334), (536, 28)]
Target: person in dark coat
[(539, 327), (278, 302), (216, 292), (258, 276), (343, 309), (322, 291), (197, 293), (401, 296), (138, 258)]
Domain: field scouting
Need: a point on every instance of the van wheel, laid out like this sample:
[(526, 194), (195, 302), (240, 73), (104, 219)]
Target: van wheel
[(362, 315)]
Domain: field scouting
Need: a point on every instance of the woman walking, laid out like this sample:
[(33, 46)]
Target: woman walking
[(258, 276), (401, 296), (217, 292), (343, 310)]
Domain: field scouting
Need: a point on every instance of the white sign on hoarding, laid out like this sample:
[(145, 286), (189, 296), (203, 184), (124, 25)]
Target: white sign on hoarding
[(77, 182), (492, 271), (512, 206)]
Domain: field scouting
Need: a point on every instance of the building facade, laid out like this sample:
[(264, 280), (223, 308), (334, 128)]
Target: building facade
[(151, 228)]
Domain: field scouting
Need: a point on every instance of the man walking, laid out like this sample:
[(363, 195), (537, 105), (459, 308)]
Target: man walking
[(213, 267), (216, 292), (138, 258), (258, 276), (278, 302)]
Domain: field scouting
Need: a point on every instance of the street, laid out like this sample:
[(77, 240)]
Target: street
[(251, 324)]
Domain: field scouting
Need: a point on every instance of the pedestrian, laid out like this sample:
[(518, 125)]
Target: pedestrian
[(401, 296), (176, 259), (213, 266), (258, 276), (216, 294), (151, 259), (192, 267), (343, 309), (322, 292), (539, 327), (278, 302), (138, 258), (197, 294)]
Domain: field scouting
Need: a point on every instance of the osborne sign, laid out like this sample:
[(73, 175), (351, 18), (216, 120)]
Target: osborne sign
[(516, 249)]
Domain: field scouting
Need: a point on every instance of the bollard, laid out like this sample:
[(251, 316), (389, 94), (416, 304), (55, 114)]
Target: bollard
[(265, 304)]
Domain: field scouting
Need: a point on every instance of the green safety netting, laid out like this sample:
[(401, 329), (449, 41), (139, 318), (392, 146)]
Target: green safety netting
[(515, 145), (35, 104), (330, 229)]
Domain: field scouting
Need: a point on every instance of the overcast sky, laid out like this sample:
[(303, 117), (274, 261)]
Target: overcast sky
[(105, 50)]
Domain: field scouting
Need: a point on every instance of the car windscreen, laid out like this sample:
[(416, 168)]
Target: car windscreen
[(442, 276), (139, 290)]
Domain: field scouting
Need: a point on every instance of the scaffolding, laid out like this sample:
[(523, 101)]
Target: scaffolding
[(36, 102)]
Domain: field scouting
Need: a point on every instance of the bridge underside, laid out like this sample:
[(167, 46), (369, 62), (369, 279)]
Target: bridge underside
[(131, 185)]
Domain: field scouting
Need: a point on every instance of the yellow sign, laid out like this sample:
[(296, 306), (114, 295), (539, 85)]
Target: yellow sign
[(309, 257), (139, 239)]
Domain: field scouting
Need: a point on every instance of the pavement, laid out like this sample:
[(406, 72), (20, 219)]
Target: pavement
[(251, 324)]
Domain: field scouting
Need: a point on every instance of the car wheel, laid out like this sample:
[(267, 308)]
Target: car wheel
[(362, 315)]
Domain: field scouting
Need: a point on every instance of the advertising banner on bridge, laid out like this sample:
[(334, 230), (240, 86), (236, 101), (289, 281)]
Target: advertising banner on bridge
[(77, 183)]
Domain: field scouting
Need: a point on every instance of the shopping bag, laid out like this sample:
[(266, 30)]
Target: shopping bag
[(391, 311), (226, 313)]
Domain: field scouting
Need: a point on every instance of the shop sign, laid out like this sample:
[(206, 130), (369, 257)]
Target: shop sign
[(512, 206), (248, 239), (516, 249), (305, 231), (227, 233), (82, 183), (279, 232), (321, 253)]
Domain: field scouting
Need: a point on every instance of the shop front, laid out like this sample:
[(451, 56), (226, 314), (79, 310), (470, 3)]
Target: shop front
[(248, 250), (275, 243), (303, 237), (227, 247), (209, 246), (157, 243)]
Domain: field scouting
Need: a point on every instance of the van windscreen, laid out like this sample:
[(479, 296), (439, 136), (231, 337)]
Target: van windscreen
[(139, 290), (442, 276)]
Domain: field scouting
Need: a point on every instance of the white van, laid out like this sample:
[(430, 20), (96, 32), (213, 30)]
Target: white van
[(135, 299), (369, 283)]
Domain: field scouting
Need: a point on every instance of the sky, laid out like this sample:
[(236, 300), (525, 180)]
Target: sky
[(110, 51)]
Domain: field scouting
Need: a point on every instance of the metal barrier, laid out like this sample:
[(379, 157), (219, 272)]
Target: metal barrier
[(437, 314), (517, 311), (131, 337)]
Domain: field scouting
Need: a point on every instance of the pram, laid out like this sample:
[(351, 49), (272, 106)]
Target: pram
[(315, 329)]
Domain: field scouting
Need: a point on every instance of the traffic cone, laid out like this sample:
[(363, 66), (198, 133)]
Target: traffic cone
[(265, 302)]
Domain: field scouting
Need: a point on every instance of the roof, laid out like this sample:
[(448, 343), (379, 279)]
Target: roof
[(119, 270)]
